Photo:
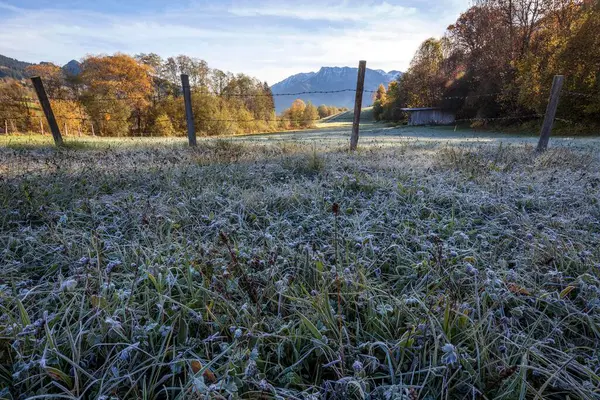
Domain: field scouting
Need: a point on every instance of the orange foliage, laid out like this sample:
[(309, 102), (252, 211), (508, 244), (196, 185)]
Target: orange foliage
[(52, 76), (119, 75)]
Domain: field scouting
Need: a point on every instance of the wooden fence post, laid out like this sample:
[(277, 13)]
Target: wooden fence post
[(187, 96), (41, 126), (360, 86), (557, 85), (45, 103)]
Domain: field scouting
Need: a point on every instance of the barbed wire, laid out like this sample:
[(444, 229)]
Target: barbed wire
[(578, 94), (9, 101), (241, 95), (248, 120), (3, 100), (28, 117), (125, 98), (15, 104), (566, 121), (308, 92), (214, 119), (471, 95), (100, 99), (83, 120), (294, 94), (16, 99), (531, 116), (325, 120)]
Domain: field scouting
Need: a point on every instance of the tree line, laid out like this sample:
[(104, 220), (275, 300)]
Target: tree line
[(499, 58), (120, 95), (304, 115), (11, 68)]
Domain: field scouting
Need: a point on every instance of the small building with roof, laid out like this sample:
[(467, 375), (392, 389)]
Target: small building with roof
[(429, 116)]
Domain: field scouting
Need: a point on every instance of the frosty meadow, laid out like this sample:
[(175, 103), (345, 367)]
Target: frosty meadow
[(282, 266)]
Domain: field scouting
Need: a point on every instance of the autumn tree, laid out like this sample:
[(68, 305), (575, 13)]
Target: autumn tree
[(116, 87), (251, 94), (395, 99), (53, 77), (223, 103), (379, 101), (293, 116), (156, 68), (219, 81), (323, 111), (269, 101), (579, 57), (499, 58), (196, 69), (119, 75), (423, 79), (309, 116), (16, 112)]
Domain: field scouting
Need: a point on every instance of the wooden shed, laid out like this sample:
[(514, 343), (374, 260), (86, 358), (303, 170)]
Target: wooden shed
[(429, 116)]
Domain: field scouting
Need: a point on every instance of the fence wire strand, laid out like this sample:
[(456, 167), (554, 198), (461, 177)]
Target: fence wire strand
[(23, 101), (578, 94)]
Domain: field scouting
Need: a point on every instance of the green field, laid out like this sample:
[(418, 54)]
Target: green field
[(433, 263)]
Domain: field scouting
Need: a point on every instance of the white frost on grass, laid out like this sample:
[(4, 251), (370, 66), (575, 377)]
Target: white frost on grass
[(454, 248)]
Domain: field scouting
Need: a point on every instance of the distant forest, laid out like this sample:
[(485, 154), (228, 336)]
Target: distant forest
[(499, 59), (120, 95), (11, 68)]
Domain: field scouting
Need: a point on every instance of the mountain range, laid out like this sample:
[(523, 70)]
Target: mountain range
[(330, 79), (11, 68)]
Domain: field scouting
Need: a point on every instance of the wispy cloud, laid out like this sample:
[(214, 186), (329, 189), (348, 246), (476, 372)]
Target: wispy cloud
[(267, 40), (327, 12), (9, 7)]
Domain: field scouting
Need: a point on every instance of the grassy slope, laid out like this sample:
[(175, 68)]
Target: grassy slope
[(448, 271)]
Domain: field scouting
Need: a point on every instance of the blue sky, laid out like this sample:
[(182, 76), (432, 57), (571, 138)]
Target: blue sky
[(268, 39)]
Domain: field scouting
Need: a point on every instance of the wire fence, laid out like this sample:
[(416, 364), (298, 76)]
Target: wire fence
[(577, 94), (31, 103), (520, 117)]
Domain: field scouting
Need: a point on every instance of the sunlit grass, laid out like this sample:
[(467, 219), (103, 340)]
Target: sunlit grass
[(41, 141)]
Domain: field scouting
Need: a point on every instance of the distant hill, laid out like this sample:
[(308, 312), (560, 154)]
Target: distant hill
[(72, 68), (330, 79), (11, 68)]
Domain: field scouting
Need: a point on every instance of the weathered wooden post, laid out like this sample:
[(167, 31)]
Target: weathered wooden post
[(187, 97), (41, 126), (557, 85), (360, 87), (45, 103)]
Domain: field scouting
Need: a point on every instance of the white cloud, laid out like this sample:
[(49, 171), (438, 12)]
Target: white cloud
[(9, 7), (327, 12), (240, 39)]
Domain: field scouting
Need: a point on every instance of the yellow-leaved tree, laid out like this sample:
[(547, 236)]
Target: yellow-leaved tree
[(117, 91)]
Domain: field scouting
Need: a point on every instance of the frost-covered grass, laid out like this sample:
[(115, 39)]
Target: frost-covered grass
[(288, 270)]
